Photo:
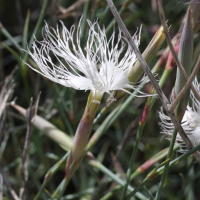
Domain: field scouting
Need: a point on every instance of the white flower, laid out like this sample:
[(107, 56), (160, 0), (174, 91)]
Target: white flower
[(102, 66), (190, 122)]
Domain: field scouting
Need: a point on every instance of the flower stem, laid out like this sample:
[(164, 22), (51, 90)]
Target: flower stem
[(124, 6), (60, 189), (160, 155), (106, 171), (133, 156), (160, 169), (167, 165), (50, 174), (142, 123)]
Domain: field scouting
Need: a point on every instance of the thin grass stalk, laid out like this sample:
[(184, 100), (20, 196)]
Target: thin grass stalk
[(9, 37), (1, 186), (160, 169), (150, 101), (172, 143), (24, 43), (151, 197), (60, 189), (134, 152), (140, 186), (106, 171), (49, 175), (149, 163), (103, 15), (39, 21), (22, 66), (142, 123), (61, 107), (25, 33), (38, 24), (83, 21), (124, 6)]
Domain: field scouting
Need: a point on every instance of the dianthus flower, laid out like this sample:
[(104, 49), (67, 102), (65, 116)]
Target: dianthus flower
[(190, 122), (101, 66)]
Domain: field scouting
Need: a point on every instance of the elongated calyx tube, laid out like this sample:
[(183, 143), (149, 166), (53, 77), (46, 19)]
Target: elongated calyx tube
[(82, 134), (148, 55)]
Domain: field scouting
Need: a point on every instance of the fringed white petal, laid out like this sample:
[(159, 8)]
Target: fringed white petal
[(103, 65), (190, 122)]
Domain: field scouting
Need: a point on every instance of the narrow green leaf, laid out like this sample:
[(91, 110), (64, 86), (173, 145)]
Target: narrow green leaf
[(25, 33), (13, 52), (185, 56), (9, 37)]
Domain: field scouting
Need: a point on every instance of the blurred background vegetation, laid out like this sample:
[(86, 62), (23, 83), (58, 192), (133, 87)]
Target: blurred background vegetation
[(64, 107)]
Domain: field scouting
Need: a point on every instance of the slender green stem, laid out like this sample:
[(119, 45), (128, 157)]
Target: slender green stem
[(85, 11), (10, 38), (160, 169), (103, 15), (167, 165), (124, 6), (25, 79), (13, 52), (133, 156), (151, 197), (39, 22), (111, 118), (60, 189), (61, 107), (106, 171), (25, 32), (22, 66), (160, 155), (50, 174), (177, 160), (140, 130), (141, 185)]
